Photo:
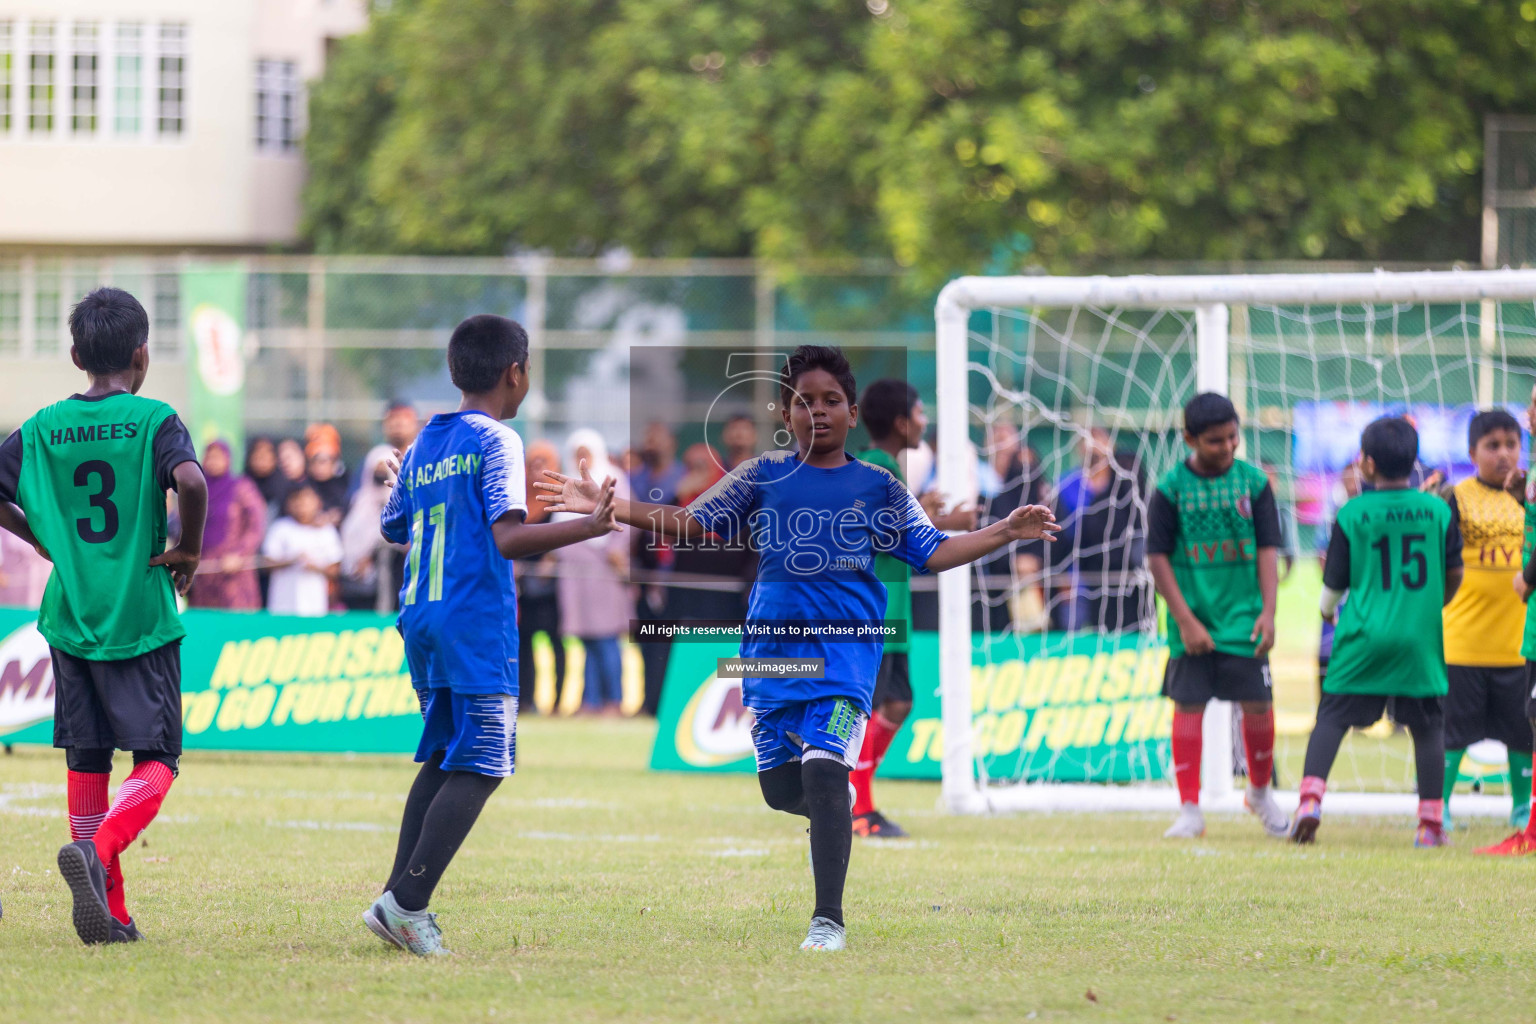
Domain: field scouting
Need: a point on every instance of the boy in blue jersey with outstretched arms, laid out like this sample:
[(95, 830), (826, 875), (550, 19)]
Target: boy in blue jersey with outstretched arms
[(459, 502), (817, 518)]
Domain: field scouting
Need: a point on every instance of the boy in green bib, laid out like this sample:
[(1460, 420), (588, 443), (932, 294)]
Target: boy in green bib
[(1397, 552), (84, 482)]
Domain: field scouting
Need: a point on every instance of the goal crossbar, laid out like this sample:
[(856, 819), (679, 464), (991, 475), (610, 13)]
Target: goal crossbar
[(1210, 298)]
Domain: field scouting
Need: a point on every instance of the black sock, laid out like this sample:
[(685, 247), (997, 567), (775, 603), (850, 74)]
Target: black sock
[(448, 820), (783, 789), (1429, 758), (826, 798), (428, 781), (1323, 747)]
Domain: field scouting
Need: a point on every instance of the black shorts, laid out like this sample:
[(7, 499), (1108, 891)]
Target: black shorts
[(893, 682), (1363, 710), (1197, 678), (129, 704), (1487, 704)]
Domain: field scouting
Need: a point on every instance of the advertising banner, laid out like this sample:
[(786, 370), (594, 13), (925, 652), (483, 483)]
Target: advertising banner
[(213, 309), (249, 682), (1065, 707)]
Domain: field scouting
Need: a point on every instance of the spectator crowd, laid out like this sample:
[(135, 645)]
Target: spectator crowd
[(297, 533)]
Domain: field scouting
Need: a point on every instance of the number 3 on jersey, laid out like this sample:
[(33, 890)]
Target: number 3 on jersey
[(435, 519)]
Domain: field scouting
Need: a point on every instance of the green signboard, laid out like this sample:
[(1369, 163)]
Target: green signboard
[(1070, 708), (250, 682), (213, 310)]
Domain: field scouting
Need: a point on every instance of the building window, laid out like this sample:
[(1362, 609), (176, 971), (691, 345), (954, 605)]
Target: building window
[(172, 104), (40, 79), (277, 105), (84, 60), (128, 88), (7, 62)]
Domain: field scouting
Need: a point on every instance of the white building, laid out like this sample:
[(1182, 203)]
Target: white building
[(157, 123)]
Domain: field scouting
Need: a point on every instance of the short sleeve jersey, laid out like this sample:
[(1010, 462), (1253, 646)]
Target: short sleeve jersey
[(1390, 550), (892, 571), (1528, 564), (1484, 620), (91, 473), (817, 532), (1211, 528), (458, 604)]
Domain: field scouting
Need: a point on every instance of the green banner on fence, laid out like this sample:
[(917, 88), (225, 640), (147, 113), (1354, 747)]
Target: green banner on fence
[(213, 309), (249, 682), (1071, 708)]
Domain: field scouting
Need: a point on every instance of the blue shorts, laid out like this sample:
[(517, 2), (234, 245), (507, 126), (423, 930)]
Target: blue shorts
[(786, 734), (476, 732)]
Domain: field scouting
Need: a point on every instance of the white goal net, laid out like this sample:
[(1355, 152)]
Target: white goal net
[(1051, 657)]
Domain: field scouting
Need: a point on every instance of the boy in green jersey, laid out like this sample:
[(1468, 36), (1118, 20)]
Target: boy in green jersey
[(893, 414), (84, 482), (1397, 552), (1523, 842), (1213, 536)]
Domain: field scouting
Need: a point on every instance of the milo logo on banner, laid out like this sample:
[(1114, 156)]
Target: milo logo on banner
[(26, 679), (714, 729), (1065, 707)]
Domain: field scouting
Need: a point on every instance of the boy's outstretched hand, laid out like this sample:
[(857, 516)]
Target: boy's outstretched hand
[(564, 493), (600, 519), (1031, 522)]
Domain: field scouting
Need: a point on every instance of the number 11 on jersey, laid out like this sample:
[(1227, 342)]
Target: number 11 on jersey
[(436, 518)]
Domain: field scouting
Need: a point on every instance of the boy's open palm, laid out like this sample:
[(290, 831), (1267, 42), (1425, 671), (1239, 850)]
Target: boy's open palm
[(1031, 522), (564, 493)]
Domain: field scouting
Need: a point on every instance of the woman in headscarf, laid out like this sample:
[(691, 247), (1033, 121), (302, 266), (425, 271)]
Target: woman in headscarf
[(261, 467), (538, 603), (361, 541), (596, 603), (327, 473), (237, 520)]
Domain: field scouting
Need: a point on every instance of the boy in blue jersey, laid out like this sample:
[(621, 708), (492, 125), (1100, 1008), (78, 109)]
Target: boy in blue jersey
[(459, 502), (817, 519)]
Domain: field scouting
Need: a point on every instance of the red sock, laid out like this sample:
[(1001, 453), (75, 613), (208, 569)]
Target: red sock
[(1530, 826), (1187, 742), (1313, 788), (87, 807), (1432, 812), (87, 803), (138, 801), (877, 740), (1259, 745)]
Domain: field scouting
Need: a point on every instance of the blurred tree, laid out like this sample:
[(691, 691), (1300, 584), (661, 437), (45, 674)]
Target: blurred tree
[(951, 135)]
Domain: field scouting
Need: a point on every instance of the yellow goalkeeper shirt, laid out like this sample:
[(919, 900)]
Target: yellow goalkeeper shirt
[(1485, 621)]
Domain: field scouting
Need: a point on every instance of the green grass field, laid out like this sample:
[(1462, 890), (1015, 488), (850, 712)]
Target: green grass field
[(593, 889)]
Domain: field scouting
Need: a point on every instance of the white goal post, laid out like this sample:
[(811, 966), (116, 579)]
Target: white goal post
[(1210, 298)]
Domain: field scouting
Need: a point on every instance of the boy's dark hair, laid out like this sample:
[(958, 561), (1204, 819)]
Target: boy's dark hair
[(816, 357), (481, 349), (1489, 420), (1393, 444), (883, 402), (108, 326), (1208, 410)]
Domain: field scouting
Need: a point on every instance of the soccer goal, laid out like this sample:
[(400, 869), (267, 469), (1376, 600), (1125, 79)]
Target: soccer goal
[(1050, 661)]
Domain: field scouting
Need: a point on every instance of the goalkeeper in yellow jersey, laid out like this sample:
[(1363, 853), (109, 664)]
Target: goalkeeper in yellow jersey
[(1484, 622)]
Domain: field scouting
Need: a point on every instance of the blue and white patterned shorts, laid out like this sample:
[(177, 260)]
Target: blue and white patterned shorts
[(476, 732), (831, 727)]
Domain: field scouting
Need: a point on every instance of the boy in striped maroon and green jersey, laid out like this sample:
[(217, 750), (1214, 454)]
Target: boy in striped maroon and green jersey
[(1213, 538)]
